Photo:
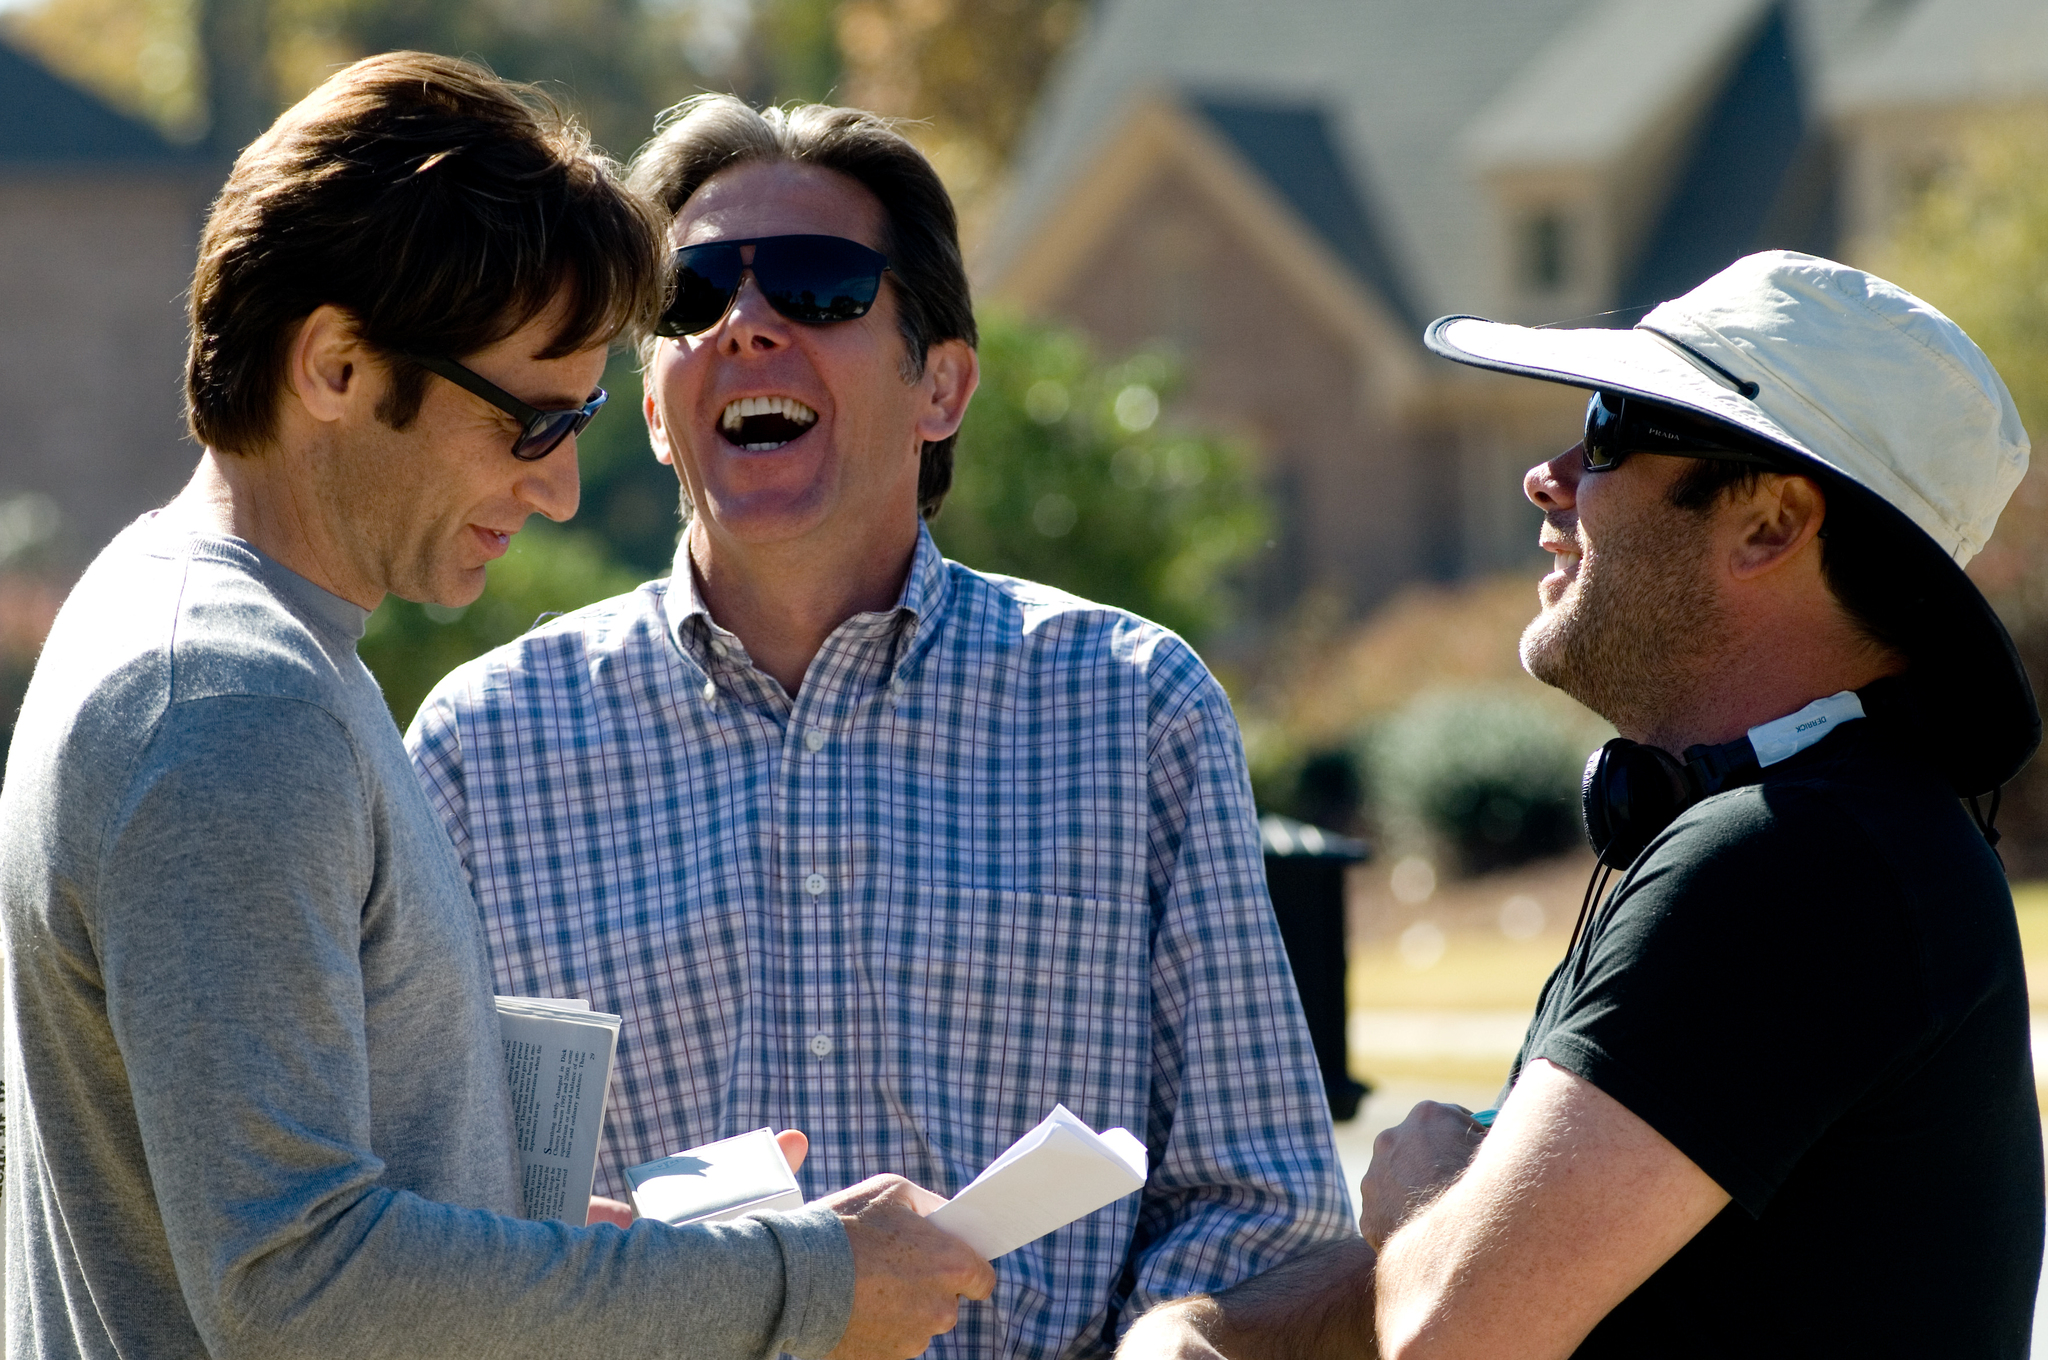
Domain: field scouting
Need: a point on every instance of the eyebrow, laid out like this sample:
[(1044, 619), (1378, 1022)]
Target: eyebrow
[(561, 401)]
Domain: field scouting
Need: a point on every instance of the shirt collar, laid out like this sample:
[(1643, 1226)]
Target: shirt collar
[(923, 597)]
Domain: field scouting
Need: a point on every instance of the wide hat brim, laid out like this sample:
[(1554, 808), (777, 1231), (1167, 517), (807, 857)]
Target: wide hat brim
[(1974, 714)]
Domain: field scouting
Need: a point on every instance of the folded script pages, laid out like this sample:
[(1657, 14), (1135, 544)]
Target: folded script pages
[(718, 1181), (558, 1062), (1060, 1171)]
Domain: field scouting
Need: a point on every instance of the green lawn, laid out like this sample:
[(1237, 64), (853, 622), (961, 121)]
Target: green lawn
[(1484, 970)]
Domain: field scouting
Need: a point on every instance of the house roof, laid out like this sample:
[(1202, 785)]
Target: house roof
[(47, 121), (1950, 51), (1610, 70), (1421, 97), (1293, 147), (1398, 79)]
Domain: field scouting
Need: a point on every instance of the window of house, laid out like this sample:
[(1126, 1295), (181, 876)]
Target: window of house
[(1546, 251)]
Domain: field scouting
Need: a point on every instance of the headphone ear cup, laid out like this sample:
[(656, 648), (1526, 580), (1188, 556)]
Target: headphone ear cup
[(1630, 793)]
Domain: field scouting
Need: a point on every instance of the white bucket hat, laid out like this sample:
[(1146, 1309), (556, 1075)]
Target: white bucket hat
[(1876, 393)]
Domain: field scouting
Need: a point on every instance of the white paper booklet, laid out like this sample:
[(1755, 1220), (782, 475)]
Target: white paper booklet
[(718, 1181), (558, 1062), (1060, 1171)]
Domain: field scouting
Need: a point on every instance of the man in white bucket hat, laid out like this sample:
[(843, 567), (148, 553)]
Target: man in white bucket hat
[(1778, 1098)]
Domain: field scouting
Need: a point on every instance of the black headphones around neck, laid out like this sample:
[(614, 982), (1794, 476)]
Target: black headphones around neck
[(1631, 791)]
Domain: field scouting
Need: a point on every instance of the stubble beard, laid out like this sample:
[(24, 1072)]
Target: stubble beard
[(1632, 635)]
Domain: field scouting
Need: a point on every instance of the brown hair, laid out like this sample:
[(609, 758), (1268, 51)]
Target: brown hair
[(441, 207), (714, 132)]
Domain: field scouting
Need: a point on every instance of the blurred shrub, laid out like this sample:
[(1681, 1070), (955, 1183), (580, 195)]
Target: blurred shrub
[(1490, 775), (548, 570), (1067, 473), (1324, 787)]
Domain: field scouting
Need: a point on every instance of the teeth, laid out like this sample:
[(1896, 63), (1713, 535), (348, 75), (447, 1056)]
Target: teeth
[(787, 407)]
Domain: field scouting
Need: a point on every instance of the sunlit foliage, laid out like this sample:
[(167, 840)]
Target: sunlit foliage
[(1072, 472), (1974, 242)]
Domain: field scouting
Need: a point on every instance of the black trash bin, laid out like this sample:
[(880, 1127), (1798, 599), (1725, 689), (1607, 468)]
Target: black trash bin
[(1305, 875)]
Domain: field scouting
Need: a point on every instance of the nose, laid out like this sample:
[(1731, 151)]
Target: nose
[(750, 324), (552, 485), (1554, 486)]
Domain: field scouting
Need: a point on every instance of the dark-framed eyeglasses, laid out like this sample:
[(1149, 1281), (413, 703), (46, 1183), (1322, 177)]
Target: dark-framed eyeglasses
[(815, 280), (1617, 426), (540, 431)]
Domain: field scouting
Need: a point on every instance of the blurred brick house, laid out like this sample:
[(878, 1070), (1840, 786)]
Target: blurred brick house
[(1287, 192), (99, 219)]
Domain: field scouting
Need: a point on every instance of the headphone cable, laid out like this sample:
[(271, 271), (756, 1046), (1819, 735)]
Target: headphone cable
[(1596, 884)]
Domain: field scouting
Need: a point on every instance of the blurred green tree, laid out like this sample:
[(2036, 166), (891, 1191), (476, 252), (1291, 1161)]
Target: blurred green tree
[(630, 501), (1068, 473), (548, 570)]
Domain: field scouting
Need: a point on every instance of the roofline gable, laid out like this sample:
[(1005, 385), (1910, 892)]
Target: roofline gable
[(1158, 133), (47, 122)]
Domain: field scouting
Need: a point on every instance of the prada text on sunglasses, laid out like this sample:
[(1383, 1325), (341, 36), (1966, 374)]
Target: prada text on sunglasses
[(1617, 426), (540, 431), (816, 280)]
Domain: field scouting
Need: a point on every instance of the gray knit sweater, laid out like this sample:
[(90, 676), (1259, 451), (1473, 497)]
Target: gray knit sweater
[(258, 1097)]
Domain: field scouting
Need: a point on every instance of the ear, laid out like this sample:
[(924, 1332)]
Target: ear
[(326, 366), (1777, 523), (952, 371), (657, 433)]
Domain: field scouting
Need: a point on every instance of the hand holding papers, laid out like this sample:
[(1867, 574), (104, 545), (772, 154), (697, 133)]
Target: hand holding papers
[(1060, 1171)]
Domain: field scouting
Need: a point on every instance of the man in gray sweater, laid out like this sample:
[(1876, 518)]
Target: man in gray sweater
[(259, 1100)]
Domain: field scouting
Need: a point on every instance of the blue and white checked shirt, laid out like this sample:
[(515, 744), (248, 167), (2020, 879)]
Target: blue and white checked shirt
[(998, 853)]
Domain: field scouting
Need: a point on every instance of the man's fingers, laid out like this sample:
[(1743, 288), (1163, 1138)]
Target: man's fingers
[(611, 1211), (795, 1147), (909, 1276), (982, 1279)]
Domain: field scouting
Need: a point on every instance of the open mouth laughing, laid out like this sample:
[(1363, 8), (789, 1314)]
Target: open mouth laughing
[(759, 424)]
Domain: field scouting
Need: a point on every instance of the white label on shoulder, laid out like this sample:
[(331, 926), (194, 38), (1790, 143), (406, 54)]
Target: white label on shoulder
[(1789, 735)]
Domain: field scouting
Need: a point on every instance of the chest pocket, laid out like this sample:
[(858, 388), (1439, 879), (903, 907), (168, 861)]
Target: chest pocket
[(996, 1005)]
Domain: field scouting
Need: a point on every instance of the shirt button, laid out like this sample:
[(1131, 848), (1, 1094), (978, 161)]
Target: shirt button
[(814, 884), (821, 1044), (710, 691), (814, 740)]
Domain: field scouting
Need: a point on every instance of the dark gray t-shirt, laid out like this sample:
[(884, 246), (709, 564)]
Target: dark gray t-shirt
[(257, 1091), (1813, 988)]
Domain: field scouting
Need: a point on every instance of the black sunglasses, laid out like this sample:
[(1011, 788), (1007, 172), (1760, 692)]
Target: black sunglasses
[(540, 431), (816, 280), (1617, 426)]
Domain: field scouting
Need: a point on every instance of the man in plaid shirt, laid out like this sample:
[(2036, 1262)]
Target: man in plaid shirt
[(862, 842)]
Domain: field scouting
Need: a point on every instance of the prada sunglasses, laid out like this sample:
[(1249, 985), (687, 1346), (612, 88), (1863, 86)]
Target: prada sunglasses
[(815, 280), (1617, 426), (540, 431)]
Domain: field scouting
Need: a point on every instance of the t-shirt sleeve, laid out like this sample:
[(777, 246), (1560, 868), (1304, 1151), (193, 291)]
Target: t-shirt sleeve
[(1753, 978)]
